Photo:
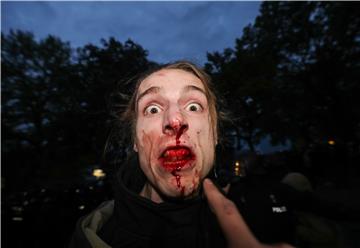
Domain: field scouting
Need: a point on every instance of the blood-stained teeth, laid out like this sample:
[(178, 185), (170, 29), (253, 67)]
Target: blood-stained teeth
[(176, 154), (174, 159)]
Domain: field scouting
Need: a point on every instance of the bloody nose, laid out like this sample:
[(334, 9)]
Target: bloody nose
[(182, 129)]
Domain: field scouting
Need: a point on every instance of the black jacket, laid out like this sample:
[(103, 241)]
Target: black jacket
[(134, 221), (267, 207)]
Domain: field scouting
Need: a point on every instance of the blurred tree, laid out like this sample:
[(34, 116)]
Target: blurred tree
[(297, 66), (33, 88), (104, 70), (54, 104)]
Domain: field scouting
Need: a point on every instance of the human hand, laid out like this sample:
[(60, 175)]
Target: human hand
[(236, 232)]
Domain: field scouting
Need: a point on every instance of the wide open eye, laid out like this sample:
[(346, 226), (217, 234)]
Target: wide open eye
[(152, 109), (194, 107)]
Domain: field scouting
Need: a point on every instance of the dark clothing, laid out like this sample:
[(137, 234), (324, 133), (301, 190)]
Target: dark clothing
[(138, 222), (134, 221), (265, 207), (85, 235)]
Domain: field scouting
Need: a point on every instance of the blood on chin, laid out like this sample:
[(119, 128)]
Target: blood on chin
[(183, 185), (175, 163)]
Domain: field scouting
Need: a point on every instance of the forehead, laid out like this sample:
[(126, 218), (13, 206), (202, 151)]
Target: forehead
[(170, 78)]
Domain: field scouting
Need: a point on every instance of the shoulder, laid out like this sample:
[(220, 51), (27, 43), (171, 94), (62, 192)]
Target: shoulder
[(85, 234)]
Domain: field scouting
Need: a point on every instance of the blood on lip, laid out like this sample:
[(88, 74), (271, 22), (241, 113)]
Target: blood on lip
[(176, 157), (178, 152)]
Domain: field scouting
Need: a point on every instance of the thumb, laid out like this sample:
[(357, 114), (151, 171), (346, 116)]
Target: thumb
[(231, 222)]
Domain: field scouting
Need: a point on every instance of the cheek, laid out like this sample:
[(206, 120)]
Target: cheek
[(145, 142), (146, 133), (205, 136), (206, 143), (148, 138)]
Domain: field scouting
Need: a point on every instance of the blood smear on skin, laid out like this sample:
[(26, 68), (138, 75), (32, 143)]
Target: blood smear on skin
[(178, 181), (178, 135), (177, 177)]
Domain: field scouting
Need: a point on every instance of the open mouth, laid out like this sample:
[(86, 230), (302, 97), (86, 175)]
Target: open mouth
[(175, 158)]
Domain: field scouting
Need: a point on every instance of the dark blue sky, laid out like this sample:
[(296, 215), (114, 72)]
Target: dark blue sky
[(168, 30)]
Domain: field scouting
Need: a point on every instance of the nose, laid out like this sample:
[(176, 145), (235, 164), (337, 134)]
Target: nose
[(174, 121)]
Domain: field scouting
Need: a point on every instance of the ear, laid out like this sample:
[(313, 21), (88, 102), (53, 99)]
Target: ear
[(135, 147)]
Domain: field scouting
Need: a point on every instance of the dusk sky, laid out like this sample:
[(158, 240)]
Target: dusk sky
[(168, 30)]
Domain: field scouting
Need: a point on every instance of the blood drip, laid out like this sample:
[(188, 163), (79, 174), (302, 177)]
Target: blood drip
[(177, 177), (178, 182), (182, 190), (177, 169), (178, 135)]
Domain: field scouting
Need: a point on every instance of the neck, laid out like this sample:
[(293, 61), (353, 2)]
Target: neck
[(150, 193)]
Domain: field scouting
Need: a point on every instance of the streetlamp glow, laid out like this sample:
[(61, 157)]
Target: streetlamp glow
[(98, 173), (237, 168)]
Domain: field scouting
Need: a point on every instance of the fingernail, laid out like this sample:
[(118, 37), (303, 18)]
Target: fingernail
[(208, 181)]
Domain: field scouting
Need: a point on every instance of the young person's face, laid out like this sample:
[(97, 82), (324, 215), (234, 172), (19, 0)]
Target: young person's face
[(174, 136)]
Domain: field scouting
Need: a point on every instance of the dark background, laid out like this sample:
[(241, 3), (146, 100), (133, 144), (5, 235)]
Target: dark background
[(291, 78)]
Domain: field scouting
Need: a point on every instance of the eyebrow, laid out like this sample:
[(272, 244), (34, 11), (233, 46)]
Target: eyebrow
[(193, 87), (151, 90)]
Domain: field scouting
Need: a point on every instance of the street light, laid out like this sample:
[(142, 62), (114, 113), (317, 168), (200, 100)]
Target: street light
[(237, 168), (98, 173)]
